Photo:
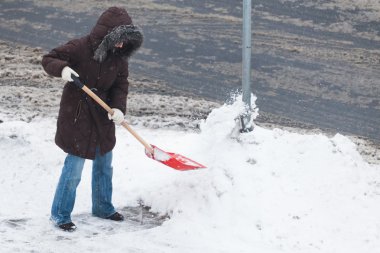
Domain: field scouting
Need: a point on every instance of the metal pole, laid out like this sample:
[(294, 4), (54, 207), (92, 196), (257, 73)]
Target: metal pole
[(246, 68)]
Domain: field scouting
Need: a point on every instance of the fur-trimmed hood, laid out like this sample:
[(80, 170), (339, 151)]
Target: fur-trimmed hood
[(112, 27)]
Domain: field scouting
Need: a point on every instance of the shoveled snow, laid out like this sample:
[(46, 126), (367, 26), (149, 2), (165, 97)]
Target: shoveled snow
[(264, 191), (160, 155)]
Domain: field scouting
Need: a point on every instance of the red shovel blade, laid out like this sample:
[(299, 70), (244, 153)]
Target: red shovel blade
[(175, 161)]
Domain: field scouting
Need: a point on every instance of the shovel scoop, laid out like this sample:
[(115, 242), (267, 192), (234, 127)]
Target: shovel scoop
[(172, 160)]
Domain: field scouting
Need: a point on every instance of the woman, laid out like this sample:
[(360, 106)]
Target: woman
[(84, 130)]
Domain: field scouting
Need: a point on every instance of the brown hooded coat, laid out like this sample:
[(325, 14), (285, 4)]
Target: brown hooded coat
[(82, 125)]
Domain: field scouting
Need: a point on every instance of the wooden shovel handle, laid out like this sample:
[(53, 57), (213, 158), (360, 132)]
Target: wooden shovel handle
[(97, 99)]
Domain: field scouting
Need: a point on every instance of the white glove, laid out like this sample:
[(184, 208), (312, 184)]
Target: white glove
[(117, 116), (66, 74)]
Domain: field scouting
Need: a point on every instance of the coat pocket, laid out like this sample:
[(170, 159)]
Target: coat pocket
[(78, 111)]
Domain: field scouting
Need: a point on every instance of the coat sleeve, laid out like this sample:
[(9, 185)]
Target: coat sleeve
[(60, 57), (119, 90)]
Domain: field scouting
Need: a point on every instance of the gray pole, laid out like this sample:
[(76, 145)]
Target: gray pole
[(246, 69)]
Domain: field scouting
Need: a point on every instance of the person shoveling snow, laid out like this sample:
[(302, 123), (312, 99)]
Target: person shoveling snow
[(84, 130)]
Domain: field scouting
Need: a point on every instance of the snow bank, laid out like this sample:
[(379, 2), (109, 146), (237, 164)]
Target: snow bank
[(266, 191)]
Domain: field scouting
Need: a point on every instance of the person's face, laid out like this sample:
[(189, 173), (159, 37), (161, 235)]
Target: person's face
[(119, 45)]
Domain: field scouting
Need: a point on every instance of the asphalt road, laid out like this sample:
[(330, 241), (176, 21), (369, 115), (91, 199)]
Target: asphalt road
[(312, 65)]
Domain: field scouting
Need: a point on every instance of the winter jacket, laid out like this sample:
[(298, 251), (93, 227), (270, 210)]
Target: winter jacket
[(83, 125)]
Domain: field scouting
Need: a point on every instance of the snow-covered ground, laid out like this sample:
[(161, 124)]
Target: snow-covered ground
[(264, 191)]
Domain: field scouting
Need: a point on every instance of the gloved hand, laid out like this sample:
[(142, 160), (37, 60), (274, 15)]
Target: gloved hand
[(117, 117), (66, 74)]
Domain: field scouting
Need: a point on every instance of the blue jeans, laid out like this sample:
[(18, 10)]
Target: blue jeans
[(64, 198)]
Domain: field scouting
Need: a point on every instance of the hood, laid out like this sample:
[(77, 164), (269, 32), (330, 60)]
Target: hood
[(114, 26)]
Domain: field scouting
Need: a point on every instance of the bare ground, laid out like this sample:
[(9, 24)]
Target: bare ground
[(27, 92)]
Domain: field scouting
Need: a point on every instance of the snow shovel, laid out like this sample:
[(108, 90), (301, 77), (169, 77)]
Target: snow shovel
[(175, 161)]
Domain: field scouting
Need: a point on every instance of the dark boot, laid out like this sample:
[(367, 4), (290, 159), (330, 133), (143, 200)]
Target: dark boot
[(68, 227), (116, 217)]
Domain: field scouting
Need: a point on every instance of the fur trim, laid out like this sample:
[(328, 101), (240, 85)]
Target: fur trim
[(129, 34)]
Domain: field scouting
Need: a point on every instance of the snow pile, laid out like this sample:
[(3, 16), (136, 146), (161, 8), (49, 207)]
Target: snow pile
[(267, 191)]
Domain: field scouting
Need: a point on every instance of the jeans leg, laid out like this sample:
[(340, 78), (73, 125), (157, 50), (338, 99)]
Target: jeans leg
[(102, 185), (65, 193)]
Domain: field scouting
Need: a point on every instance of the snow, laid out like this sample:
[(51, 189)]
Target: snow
[(263, 191), (160, 155)]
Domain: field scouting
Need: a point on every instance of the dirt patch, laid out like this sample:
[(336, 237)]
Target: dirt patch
[(27, 92)]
